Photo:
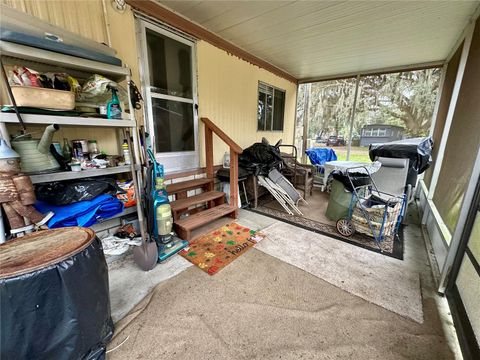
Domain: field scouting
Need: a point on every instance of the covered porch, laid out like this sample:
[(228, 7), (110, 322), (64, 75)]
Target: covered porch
[(302, 291)]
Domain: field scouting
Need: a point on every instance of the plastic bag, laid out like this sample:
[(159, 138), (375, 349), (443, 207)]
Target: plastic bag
[(128, 197), (64, 193), (260, 158), (95, 89), (23, 76)]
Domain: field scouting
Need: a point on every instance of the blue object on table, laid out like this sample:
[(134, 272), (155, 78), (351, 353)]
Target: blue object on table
[(82, 213), (319, 156)]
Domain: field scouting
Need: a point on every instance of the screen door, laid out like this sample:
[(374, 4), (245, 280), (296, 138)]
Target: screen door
[(170, 96)]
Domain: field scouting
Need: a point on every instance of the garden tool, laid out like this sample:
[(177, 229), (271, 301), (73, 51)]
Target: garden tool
[(145, 255)]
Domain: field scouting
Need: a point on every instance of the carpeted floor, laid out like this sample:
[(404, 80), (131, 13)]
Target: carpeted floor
[(383, 281), (314, 219), (260, 307)]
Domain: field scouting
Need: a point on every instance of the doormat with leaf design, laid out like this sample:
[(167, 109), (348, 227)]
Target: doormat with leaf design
[(215, 250)]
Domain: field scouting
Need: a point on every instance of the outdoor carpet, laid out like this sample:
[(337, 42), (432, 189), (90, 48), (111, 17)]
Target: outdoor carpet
[(215, 250), (384, 281), (261, 308), (391, 246)]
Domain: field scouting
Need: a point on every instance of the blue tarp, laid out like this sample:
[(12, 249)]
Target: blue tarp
[(82, 213), (319, 156)]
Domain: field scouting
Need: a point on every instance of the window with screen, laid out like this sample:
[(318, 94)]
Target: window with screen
[(271, 108)]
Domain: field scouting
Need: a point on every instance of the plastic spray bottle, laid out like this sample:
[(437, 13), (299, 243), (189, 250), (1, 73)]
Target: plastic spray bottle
[(114, 110)]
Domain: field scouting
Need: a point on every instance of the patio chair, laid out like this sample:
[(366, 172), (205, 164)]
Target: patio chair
[(392, 178), (300, 175), (318, 157)]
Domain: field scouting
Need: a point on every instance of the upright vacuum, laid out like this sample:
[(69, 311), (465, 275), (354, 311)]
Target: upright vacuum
[(159, 213)]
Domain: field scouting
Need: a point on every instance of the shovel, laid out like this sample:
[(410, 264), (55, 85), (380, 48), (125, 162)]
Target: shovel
[(145, 255)]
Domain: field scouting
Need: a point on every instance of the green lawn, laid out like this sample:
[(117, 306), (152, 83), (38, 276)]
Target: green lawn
[(357, 153)]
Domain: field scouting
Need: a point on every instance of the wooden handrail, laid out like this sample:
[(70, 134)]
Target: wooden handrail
[(235, 150), (227, 139)]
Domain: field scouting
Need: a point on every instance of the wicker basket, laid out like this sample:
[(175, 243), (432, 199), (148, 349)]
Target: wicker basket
[(376, 215)]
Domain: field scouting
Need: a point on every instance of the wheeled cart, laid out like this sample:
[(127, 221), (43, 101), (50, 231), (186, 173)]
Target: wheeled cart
[(371, 211)]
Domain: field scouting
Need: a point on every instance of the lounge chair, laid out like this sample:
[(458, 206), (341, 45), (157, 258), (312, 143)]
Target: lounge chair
[(392, 178)]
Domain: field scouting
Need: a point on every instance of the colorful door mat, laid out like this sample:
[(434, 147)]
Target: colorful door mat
[(215, 250)]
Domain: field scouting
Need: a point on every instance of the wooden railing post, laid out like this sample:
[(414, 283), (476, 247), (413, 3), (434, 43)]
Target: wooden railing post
[(235, 150), (209, 151), (234, 179)]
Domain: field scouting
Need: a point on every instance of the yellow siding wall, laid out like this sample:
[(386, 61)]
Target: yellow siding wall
[(228, 95), (81, 17), (227, 85)]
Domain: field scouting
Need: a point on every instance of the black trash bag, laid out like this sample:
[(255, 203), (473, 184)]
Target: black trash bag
[(64, 193), (72, 294), (358, 179), (260, 158)]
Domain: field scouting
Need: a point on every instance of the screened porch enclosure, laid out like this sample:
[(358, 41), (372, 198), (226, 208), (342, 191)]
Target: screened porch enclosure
[(365, 110), (394, 46)]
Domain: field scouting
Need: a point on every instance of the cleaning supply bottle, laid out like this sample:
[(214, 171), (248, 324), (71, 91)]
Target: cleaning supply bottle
[(114, 110), (126, 152), (67, 150)]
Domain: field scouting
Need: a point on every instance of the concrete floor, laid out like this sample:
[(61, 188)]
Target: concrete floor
[(318, 201), (129, 285)]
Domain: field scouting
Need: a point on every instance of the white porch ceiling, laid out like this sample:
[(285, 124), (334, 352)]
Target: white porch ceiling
[(313, 39)]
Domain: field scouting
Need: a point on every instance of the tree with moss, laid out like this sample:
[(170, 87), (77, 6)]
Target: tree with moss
[(406, 99)]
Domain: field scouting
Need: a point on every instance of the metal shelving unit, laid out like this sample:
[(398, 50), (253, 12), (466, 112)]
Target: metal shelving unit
[(34, 119), (12, 53), (71, 175), (51, 58), (103, 225)]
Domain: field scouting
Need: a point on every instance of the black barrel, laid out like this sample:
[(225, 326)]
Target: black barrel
[(54, 296)]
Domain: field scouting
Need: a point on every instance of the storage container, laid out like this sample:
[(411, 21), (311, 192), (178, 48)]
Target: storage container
[(43, 98)]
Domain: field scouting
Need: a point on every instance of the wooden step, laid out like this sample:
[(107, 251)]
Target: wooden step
[(213, 198), (184, 227), (185, 186)]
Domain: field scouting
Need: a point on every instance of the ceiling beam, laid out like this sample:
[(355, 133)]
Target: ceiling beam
[(162, 14), (388, 70)]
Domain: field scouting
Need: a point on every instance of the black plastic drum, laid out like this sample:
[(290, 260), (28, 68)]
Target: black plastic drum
[(54, 296)]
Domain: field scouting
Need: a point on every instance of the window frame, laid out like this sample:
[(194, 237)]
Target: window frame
[(382, 132), (274, 89)]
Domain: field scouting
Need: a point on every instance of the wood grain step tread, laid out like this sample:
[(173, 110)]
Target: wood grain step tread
[(187, 185), (195, 200), (196, 220)]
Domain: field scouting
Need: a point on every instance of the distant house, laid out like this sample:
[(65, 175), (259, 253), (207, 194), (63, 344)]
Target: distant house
[(380, 133)]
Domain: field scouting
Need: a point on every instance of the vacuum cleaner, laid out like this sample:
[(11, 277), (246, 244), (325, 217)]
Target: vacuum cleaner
[(159, 213)]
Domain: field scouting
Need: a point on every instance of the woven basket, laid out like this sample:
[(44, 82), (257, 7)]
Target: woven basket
[(375, 215)]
